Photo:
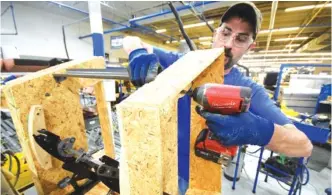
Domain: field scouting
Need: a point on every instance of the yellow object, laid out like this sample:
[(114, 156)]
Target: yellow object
[(288, 111), (25, 177)]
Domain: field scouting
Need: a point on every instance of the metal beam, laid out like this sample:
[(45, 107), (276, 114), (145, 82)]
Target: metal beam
[(316, 44), (180, 9), (274, 8), (308, 21)]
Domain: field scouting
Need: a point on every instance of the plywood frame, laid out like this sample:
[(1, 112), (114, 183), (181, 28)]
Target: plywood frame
[(63, 116), (148, 130)]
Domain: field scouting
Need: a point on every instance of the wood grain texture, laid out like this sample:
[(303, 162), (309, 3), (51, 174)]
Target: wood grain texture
[(63, 114), (204, 175), (105, 120), (168, 124), (142, 141), (3, 103), (36, 121), (148, 126)]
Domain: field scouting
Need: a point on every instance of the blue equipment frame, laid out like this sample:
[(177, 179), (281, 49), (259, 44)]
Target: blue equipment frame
[(315, 134), (276, 92)]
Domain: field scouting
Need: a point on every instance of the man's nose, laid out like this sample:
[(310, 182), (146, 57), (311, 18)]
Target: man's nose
[(229, 43)]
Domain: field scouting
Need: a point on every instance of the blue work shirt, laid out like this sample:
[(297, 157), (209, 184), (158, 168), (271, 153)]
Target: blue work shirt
[(260, 105)]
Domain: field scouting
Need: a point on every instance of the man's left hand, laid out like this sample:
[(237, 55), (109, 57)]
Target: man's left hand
[(239, 129)]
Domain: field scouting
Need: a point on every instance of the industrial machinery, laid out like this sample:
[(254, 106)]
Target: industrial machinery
[(222, 99), (80, 163)]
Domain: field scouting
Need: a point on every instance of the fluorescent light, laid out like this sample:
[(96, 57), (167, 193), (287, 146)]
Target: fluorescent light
[(278, 50), (293, 9), (175, 41), (168, 42), (205, 43), (259, 64), (279, 30), (287, 55), (284, 59), (197, 24), (292, 38), (204, 38), (293, 45), (161, 31)]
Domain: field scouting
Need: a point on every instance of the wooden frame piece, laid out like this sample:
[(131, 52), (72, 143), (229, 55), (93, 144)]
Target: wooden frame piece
[(148, 130), (63, 116)]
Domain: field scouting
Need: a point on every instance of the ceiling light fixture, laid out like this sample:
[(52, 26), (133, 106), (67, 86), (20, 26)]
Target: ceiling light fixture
[(197, 24), (205, 43), (284, 59), (293, 45), (300, 8), (161, 31), (279, 30), (204, 38), (287, 54), (292, 38), (278, 50), (251, 64)]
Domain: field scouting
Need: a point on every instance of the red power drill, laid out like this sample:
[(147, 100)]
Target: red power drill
[(222, 99)]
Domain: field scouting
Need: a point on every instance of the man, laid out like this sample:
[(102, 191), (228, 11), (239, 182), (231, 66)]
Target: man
[(263, 125)]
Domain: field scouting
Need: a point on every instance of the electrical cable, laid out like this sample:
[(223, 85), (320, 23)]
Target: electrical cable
[(245, 171), (64, 41), (308, 176), (18, 171), (317, 193), (254, 151), (282, 186), (10, 162), (179, 21), (199, 16)]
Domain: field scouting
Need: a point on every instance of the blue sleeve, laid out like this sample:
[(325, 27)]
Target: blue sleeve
[(263, 106), (166, 58)]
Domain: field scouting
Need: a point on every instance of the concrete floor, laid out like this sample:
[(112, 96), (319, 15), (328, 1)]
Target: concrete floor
[(318, 182)]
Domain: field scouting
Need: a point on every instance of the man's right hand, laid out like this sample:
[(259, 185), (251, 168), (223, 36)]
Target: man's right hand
[(143, 67)]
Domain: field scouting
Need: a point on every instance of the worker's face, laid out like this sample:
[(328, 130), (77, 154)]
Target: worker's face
[(236, 36)]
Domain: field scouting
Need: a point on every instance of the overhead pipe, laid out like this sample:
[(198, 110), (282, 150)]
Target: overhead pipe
[(185, 7), (133, 22)]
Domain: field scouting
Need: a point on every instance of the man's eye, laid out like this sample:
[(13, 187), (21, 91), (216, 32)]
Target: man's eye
[(242, 38), (226, 33)]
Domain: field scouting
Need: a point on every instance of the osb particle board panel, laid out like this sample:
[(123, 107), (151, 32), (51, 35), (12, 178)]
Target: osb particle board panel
[(169, 120), (161, 96), (204, 175), (142, 143), (3, 99), (63, 114), (105, 120)]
